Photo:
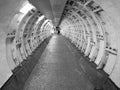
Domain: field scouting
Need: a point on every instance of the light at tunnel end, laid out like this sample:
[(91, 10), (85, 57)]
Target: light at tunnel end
[(88, 25)]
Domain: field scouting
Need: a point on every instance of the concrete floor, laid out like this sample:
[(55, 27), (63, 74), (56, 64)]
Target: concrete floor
[(58, 69)]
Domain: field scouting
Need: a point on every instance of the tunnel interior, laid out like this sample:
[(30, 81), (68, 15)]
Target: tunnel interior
[(92, 26)]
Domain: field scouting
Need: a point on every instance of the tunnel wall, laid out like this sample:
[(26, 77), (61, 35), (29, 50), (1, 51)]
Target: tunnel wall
[(112, 8), (97, 36), (8, 10), (27, 32), (94, 29)]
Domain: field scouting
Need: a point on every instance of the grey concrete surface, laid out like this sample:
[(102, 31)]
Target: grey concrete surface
[(57, 69)]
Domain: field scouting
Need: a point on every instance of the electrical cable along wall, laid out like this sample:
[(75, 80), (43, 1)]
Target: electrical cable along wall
[(90, 28)]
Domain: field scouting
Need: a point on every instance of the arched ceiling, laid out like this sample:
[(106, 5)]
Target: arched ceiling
[(8, 8), (52, 9)]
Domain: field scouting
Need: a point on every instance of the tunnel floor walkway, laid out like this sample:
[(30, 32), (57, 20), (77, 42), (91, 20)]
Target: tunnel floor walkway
[(58, 68)]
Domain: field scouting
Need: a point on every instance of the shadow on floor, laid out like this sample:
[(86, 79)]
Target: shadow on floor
[(21, 73)]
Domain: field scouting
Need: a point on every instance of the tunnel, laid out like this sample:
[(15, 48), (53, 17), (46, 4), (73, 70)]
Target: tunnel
[(59, 45)]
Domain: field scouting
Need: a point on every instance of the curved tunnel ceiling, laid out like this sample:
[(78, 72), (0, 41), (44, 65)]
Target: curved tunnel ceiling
[(52, 9), (92, 25), (8, 9)]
